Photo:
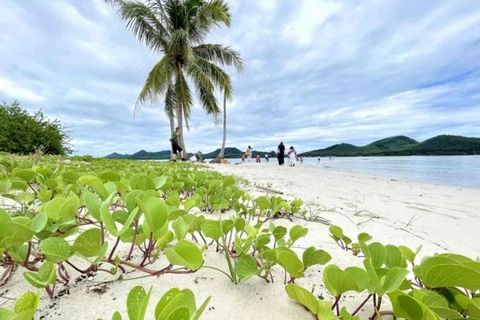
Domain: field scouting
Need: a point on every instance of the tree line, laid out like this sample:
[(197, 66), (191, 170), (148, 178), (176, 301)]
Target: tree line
[(24, 133)]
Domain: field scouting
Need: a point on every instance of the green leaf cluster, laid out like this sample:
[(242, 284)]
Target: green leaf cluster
[(175, 304)]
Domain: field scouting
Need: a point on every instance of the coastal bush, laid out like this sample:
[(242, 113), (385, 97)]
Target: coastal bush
[(24, 133)]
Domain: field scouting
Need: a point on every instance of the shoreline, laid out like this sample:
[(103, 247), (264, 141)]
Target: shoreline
[(364, 203)]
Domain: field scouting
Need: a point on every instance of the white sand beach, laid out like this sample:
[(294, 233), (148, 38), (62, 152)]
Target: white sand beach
[(439, 218)]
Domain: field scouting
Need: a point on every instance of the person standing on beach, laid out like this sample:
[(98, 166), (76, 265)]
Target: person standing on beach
[(292, 156), (175, 146), (258, 158), (266, 158), (248, 153), (281, 154)]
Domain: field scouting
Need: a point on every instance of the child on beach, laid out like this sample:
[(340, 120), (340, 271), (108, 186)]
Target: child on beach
[(248, 153), (258, 158), (292, 156)]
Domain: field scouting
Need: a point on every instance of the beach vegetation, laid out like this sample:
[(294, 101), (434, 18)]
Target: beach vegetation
[(24, 308), (175, 304), (443, 286), (66, 215)]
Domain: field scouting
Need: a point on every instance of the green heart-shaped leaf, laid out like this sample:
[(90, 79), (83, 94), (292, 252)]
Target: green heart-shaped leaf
[(186, 254), (93, 204), (407, 307), (26, 305), (137, 302), (246, 267), (88, 243), (302, 296), (312, 257), (26, 175), (297, 232), (155, 211), (55, 249), (290, 262)]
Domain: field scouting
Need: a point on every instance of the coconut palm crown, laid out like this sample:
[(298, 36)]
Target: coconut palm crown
[(177, 29)]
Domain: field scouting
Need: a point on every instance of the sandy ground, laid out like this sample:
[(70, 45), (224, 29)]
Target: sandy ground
[(398, 212)]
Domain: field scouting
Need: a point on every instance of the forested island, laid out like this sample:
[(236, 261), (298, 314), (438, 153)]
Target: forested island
[(393, 146), (404, 146)]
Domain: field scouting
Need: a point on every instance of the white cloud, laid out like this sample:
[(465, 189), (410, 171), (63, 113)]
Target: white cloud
[(13, 90)]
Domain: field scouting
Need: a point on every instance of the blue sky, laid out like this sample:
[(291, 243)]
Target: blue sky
[(317, 72)]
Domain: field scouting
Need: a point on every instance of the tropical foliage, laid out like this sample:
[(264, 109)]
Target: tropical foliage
[(24, 133), (177, 29)]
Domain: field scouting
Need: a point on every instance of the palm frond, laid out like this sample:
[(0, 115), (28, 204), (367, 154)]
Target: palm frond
[(205, 89), (156, 83), (143, 23), (170, 101), (158, 9), (219, 54), (216, 75), (179, 47), (176, 12), (204, 16), (114, 2), (184, 96)]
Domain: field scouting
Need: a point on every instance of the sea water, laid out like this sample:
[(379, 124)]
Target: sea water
[(460, 171)]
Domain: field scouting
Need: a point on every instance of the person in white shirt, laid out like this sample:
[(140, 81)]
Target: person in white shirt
[(292, 156), (248, 153)]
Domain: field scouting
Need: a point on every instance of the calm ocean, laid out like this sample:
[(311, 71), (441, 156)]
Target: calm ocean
[(461, 171)]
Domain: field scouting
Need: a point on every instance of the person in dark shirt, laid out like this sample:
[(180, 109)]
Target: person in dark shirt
[(175, 146), (281, 154)]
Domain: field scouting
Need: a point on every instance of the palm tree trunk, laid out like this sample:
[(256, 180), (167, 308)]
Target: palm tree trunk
[(221, 155), (180, 125), (172, 128)]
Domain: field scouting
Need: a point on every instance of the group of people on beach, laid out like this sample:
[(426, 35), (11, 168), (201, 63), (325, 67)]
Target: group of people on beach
[(248, 153), (291, 154)]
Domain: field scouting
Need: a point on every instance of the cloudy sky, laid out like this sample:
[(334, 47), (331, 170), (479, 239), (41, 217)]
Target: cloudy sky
[(317, 72)]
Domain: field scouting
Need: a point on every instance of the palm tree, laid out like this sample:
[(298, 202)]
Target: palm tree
[(221, 155), (177, 30)]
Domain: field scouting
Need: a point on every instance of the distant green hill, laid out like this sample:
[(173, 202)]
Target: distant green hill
[(142, 155), (390, 143), (229, 153), (237, 153), (117, 156), (340, 148), (446, 145), (163, 155), (403, 146)]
